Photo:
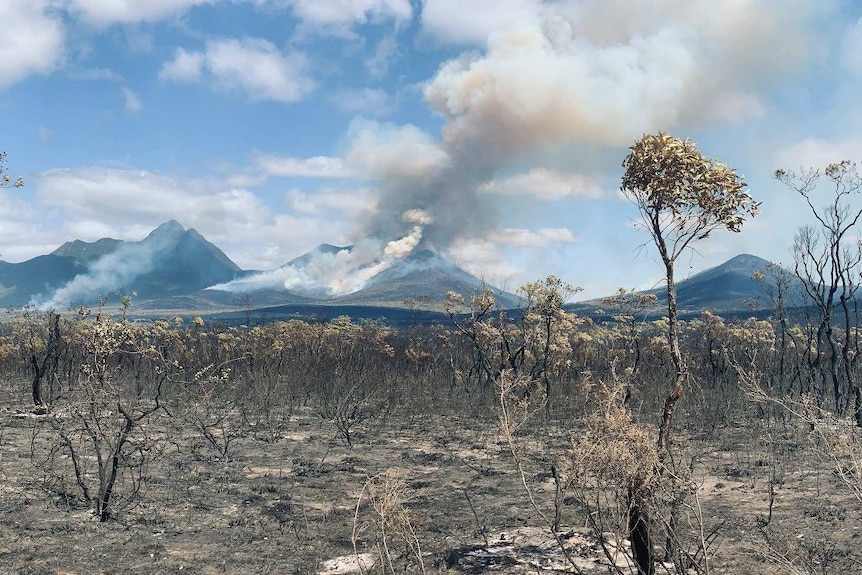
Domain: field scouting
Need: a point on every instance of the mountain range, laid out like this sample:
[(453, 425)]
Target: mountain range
[(169, 261), (727, 288), (175, 270)]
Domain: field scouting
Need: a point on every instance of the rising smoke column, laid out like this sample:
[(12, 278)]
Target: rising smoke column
[(339, 272), (595, 74), (536, 86), (393, 251)]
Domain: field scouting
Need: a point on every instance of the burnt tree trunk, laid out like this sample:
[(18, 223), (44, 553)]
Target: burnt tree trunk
[(49, 362), (639, 535)]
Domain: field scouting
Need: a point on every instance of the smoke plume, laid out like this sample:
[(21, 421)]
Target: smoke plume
[(112, 271), (338, 272), (594, 74)]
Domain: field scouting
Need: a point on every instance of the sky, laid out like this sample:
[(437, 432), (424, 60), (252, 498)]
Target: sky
[(490, 130)]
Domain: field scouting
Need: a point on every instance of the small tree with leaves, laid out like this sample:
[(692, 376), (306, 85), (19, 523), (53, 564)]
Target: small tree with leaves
[(682, 197)]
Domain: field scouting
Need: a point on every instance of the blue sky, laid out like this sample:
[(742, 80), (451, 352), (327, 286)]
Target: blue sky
[(490, 129)]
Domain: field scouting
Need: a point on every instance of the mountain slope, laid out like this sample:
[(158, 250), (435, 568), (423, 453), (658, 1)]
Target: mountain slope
[(19, 282), (87, 252), (729, 286), (176, 261), (423, 272)]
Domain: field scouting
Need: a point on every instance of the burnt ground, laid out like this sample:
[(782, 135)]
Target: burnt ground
[(290, 505)]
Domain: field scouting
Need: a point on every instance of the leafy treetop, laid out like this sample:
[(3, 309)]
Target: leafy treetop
[(683, 195)]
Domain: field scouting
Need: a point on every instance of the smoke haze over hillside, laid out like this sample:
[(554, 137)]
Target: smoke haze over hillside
[(338, 272), (108, 273)]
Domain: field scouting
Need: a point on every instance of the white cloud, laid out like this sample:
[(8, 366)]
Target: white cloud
[(817, 153), (253, 65), (316, 167), (328, 200), (546, 185), (132, 196), (543, 238), (31, 42), (260, 69), (132, 101), (128, 204), (185, 67), (382, 149), (105, 12), (558, 235), (369, 101)]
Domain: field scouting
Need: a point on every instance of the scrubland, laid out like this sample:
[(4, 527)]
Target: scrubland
[(500, 442)]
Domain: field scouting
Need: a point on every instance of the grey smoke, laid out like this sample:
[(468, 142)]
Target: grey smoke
[(598, 77), (449, 195), (321, 273), (337, 272), (112, 271)]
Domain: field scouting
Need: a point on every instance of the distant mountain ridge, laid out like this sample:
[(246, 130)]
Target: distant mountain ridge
[(421, 273), (173, 267), (87, 252), (728, 287), (731, 285), (169, 261)]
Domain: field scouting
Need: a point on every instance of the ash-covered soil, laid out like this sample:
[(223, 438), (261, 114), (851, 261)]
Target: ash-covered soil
[(305, 503)]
